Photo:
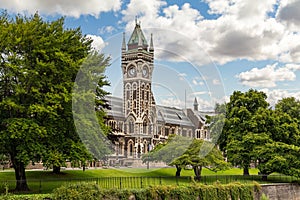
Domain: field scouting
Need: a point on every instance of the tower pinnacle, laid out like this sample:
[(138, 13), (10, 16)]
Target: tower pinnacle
[(196, 104), (123, 43), (151, 48)]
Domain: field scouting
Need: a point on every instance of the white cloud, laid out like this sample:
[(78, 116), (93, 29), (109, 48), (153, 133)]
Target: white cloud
[(106, 29), (98, 44), (172, 102), (73, 8), (242, 30), (275, 95), (268, 76)]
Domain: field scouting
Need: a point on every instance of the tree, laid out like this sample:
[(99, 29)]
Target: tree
[(278, 151), (290, 106), (201, 154), (39, 62), (254, 133), (239, 111), (166, 152)]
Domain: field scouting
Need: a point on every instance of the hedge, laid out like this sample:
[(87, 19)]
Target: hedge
[(233, 191)]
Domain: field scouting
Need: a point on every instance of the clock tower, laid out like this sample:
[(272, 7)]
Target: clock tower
[(137, 67)]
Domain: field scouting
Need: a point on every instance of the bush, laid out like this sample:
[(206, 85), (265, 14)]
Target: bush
[(217, 191), (80, 191), (25, 197)]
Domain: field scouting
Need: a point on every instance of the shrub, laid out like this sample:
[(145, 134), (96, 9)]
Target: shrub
[(80, 191), (217, 191)]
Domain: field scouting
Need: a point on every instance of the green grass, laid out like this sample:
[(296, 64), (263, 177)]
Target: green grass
[(116, 172), (46, 181)]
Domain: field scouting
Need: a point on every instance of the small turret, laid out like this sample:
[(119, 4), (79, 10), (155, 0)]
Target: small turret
[(151, 48), (196, 104), (123, 43)]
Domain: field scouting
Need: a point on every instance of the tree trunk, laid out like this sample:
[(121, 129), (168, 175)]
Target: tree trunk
[(56, 169), (197, 171), (21, 183), (178, 170), (246, 171)]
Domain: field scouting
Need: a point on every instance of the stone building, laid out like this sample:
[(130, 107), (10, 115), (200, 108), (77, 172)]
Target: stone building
[(137, 123)]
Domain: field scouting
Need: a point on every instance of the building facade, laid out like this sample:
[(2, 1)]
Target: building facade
[(137, 123)]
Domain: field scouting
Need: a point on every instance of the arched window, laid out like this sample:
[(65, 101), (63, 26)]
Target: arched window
[(131, 126), (145, 127), (130, 148), (198, 133), (145, 147)]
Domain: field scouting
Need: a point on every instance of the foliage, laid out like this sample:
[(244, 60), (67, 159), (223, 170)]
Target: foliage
[(255, 133), (201, 154), (89, 104), (166, 152), (198, 191), (39, 62), (27, 197), (238, 130)]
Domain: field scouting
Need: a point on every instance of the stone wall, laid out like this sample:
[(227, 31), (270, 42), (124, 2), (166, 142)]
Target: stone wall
[(280, 191)]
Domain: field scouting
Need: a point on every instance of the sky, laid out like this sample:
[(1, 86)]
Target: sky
[(203, 48)]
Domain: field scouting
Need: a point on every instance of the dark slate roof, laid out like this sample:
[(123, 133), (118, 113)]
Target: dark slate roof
[(116, 105), (172, 116), (167, 115)]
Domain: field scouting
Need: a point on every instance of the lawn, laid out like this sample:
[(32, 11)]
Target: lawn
[(115, 172), (46, 181)]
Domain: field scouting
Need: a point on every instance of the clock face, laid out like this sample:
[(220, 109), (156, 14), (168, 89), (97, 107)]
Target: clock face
[(132, 72), (145, 71)]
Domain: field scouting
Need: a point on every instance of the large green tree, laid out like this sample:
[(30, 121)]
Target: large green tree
[(254, 133), (237, 132), (278, 149), (39, 62)]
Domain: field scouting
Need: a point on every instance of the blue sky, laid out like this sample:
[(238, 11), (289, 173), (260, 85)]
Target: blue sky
[(203, 48)]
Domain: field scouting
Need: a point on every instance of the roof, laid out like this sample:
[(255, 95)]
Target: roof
[(165, 115), (137, 38), (202, 115), (170, 115), (116, 105)]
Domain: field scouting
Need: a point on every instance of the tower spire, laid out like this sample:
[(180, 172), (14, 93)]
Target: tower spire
[(123, 43), (151, 48)]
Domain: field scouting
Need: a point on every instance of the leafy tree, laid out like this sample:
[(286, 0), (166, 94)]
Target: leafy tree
[(39, 62), (166, 152), (181, 151), (278, 150), (238, 128), (201, 154), (290, 106), (255, 133)]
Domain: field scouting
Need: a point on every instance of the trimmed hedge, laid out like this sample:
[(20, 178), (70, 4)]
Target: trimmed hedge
[(26, 197), (233, 191)]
